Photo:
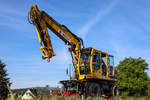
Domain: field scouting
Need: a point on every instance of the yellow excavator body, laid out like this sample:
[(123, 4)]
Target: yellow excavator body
[(93, 68)]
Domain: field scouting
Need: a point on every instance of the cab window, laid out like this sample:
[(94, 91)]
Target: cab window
[(85, 63), (103, 62), (96, 61), (111, 64)]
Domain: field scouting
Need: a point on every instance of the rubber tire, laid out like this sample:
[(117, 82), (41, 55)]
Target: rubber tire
[(93, 88), (115, 93)]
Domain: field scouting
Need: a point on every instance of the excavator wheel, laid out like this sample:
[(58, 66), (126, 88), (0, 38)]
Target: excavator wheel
[(93, 89), (115, 93)]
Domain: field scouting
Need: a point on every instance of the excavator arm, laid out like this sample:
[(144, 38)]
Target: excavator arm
[(46, 47), (42, 21)]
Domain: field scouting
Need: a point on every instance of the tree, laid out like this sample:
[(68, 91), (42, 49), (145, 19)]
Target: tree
[(148, 90), (132, 78), (4, 82)]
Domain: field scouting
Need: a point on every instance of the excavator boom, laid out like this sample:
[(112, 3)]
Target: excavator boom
[(42, 21)]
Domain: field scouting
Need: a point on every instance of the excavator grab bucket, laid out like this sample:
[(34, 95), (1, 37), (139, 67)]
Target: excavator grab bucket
[(47, 52), (46, 46)]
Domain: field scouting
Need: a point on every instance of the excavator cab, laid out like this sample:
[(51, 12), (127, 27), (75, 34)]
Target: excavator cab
[(84, 62), (95, 64)]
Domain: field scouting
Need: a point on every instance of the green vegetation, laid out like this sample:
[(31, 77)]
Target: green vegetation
[(89, 98), (132, 77), (4, 82)]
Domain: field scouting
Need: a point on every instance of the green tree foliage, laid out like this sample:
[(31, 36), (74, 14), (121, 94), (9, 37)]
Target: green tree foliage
[(148, 91), (132, 77), (4, 82)]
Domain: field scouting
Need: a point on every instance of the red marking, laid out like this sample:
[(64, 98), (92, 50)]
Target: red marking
[(64, 92), (78, 95), (52, 93), (92, 94), (95, 63), (38, 96), (56, 92), (67, 94), (73, 94), (106, 96), (48, 60), (17, 91), (83, 94)]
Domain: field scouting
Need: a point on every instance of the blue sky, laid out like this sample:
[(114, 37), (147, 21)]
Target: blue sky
[(119, 27)]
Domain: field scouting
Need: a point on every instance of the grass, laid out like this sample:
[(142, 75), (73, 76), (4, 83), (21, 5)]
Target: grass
[(89, 98)]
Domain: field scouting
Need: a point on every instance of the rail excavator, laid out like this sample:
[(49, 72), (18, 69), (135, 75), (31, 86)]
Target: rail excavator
[(93, 69)]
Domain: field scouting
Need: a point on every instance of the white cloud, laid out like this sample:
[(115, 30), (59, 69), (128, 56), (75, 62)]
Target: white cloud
[(99, 16)]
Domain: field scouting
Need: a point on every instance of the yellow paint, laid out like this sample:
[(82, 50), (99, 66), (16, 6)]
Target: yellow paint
[(42, 21), (91, 62)]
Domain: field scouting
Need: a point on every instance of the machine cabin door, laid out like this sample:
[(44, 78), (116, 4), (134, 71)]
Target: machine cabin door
[(96, 64), (111, 64), (84, 63), (104, 63)]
